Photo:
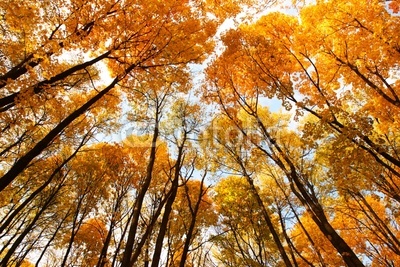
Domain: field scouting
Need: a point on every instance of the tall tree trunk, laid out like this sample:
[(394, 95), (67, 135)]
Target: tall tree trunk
[(126, 260), (269, 223), (319, 217), (266, 216), (76, 224), (149, 229), (103, 254), (168, 209), (193, 212)]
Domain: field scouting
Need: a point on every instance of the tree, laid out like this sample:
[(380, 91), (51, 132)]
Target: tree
[(147, 41), (278, 150), (312, 65), (206, 174), (90, 239)]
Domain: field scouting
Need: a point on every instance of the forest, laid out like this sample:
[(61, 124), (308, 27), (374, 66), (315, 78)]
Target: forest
[(199, 133)]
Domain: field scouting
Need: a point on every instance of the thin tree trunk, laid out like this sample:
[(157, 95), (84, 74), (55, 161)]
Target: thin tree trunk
[(43, 251), (126, 260), (17, 242), (76, 224), (103, 254), (168, 209), (194, 212)]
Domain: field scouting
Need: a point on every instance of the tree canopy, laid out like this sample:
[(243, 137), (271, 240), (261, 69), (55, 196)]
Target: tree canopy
[(199, 133)]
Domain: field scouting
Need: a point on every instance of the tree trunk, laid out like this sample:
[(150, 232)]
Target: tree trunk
[(126, 260), (167, 210), (189, 234)]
